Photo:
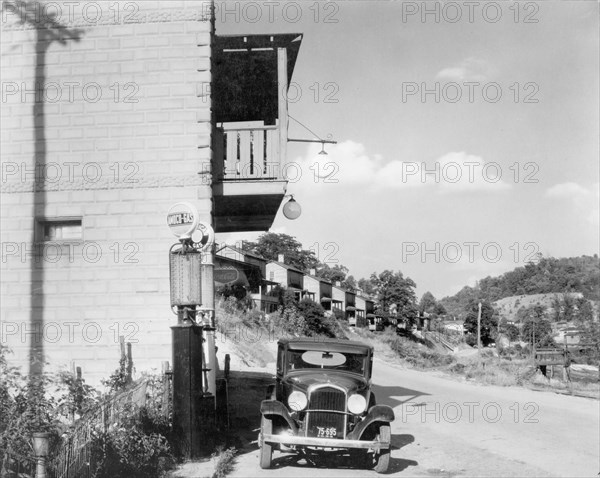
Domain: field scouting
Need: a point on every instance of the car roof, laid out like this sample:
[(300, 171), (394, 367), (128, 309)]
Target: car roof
[(326, 345)]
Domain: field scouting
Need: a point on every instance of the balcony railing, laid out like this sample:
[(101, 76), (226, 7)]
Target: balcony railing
[(247, 153)]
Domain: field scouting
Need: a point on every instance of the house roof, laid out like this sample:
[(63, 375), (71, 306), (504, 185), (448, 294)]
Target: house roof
[(320, 279), (287, 266), (243, 252)]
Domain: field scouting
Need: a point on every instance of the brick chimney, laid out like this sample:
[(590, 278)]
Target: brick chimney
[(312, 272), (281, 258), (338, 283)]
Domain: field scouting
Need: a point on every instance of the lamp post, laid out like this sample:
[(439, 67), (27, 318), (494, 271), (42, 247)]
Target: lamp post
[(41, 445)]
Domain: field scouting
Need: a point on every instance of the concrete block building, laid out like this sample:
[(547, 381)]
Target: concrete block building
[(111, 113)]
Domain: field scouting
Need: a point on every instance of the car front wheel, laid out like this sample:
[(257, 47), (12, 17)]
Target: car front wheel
[(266, 450), (382, 457)]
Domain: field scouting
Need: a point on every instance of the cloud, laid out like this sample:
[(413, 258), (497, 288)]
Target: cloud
[(585, 201), (461, 172), (348, 164), (470, 69)]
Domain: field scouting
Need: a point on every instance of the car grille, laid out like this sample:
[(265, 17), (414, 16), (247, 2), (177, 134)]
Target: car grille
[(321, 423)]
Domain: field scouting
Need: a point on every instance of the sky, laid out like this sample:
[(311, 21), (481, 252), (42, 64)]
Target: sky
[(467, 133)]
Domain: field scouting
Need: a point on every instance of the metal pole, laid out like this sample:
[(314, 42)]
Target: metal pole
[(479, 329), (282, 84), (208, 309), (533, 341), (328, 141)]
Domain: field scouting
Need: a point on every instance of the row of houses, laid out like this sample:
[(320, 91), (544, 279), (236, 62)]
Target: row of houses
[(261, 279)]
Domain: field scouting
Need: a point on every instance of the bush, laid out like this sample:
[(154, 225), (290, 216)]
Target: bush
[(40, 403), (289, 321), (338, 314), (137, 448), (253, 318), (314, 315), (224, 461)]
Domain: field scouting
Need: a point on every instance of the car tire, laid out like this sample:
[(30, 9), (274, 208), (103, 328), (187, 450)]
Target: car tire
[(382, 457), (266, 450)]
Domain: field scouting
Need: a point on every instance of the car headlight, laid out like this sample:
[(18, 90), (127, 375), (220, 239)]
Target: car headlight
[(297, 401), (357, 404)]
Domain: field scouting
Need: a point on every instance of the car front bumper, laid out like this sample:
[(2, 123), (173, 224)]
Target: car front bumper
[(291, 440)]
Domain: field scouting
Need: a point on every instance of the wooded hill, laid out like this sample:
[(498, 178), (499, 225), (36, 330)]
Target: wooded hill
[(547, 276)]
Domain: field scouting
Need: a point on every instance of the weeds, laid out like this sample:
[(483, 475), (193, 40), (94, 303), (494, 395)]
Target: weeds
[(225, 460)]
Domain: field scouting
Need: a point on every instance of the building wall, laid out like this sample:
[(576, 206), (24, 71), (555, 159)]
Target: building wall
[(339, 294), (276, 273), (313, 286), (116, 136), (360, 306)]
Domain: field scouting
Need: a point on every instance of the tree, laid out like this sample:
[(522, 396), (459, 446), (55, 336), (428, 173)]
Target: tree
[(349, 283), (537, 330), (337, 273), (511, 331), (489, 322), (439, 310), (537, 311), (590, 328), (269, 245), (367, 286), (427, 303), (585, 311), (393, 288)]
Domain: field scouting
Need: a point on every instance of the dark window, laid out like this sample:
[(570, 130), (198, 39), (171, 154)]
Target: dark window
[(59, 229)]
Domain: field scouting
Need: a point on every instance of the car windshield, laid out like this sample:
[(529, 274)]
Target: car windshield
[(310, 359)]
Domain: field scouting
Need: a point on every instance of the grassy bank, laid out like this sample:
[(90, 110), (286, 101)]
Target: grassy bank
[(489, 369)]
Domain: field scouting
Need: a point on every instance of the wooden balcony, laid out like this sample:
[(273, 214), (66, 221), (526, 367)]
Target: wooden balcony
[(248, 181)]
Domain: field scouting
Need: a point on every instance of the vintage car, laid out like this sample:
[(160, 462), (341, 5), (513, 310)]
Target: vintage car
[(322, 401)]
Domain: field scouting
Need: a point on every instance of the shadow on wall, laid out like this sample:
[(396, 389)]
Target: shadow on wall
[(32, 14)]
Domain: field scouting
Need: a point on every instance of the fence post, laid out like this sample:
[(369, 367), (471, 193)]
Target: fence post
[(166, 395), (129, 363)]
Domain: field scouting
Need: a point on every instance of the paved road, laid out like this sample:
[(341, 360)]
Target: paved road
[(447, 428)]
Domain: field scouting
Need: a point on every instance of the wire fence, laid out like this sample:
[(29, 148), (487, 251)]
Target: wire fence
[(75, 457)]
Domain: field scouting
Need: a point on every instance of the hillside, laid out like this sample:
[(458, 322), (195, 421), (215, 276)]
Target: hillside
[(578, 275), (509, 306)]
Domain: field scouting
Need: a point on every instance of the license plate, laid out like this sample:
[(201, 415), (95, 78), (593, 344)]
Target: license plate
[(326, 432)]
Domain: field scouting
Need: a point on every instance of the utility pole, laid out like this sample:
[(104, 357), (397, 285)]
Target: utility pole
[(479, 329), (533, 341)]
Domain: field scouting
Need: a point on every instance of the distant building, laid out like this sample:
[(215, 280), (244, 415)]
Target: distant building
[(288, 277)]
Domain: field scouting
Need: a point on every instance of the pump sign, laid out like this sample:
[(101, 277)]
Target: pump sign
[(204, 235), (182, 219)]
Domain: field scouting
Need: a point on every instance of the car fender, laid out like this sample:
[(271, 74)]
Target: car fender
[(274, 407), (377, 413)]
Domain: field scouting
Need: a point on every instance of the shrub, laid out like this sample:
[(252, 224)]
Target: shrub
[(253, 318), (316, 322), (289, 321), (40, 403), (224, 461), (138, 447)]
